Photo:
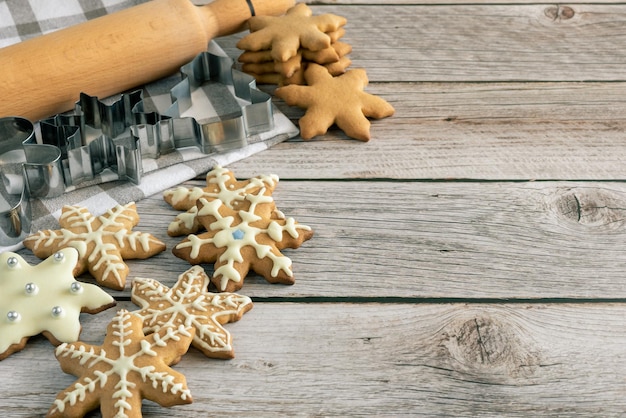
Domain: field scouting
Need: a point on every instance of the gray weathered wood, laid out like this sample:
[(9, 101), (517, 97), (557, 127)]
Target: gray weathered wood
[(421, 293), (537, 42), (519, 131), (381, 359), (435, 240)]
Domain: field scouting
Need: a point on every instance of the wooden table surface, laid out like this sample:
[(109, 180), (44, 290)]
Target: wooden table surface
[(467, 261)]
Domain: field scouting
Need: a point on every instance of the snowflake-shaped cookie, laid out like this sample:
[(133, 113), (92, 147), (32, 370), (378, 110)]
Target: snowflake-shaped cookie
[(103, 242), (44, 299), (189, 304), (125, 369), (220, 184), (237, 241), (335, 100), (284, 35)]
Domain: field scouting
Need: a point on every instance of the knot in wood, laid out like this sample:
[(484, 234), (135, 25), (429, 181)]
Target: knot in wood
[(489, 347), (597, 208), (559, 12)]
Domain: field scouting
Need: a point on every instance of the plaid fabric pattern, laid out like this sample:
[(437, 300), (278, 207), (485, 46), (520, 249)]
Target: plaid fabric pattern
[(24, 19)]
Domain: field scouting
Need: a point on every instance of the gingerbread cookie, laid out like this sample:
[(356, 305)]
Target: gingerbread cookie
[(286, 69), (125, 369), (276, 78), (286, 74), (237, 241), (332, 100), (189, 303), (222, 185), (297, 78), (103, 242), (44, 299), (336, 51), (323, 56), (285, 35)]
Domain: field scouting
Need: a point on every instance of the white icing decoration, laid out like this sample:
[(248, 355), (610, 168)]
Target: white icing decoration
[(123, 367), (228, 193), (105, 238), (189, 303), (53, 280), (224, 237)]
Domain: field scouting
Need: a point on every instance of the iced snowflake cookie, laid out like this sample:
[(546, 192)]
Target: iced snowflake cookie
[(220, 184), (239, 241), (332, 100), (125, 369), (103, 242), (44, 299), (189, 303), (285, 35)]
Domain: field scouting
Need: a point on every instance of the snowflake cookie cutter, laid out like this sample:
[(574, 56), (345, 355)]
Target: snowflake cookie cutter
[(69, 152)]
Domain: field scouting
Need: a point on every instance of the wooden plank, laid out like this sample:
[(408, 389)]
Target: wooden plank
[(435, 240), (420, 102), (371, 359), (537, 42), (495, 131), (455, 150)]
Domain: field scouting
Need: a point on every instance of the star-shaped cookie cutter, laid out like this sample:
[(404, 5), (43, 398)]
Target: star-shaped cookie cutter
[(69, 153)]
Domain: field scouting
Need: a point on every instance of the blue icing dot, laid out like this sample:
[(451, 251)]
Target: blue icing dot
[(238, 234)]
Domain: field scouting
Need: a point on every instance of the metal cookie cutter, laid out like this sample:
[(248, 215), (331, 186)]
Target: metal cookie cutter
[(17, 154), (98, 136)]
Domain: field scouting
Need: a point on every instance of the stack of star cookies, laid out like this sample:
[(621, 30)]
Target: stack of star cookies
[(279, 49)]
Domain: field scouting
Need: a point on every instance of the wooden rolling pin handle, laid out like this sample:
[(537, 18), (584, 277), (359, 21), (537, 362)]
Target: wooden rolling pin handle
[(44, 76), (224, 16)]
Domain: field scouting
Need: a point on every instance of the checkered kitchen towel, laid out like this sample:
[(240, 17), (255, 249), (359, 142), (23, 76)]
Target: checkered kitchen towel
[(23, 19)]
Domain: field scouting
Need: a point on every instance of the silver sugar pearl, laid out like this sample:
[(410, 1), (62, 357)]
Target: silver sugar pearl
[(58, 256), (13, 316), (12, 262), (57, 312), (31, 289), (76, 287)]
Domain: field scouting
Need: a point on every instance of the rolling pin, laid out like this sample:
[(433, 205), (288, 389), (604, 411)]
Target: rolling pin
[(44, 76)]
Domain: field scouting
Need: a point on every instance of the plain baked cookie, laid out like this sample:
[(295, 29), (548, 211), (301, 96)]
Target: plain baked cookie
[(285, 35), (332, 100)]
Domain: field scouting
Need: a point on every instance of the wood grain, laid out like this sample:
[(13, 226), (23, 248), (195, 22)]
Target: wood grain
[(372, 359), (479, 42), (493, 131), (467, 261), (469, 240)]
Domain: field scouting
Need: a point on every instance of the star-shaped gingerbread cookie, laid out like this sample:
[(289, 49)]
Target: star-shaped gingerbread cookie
[(103, 242), (125, 369), (332, 100), (284, 35), (44, 299), (220, 184), (189, 303), (237, 241)]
